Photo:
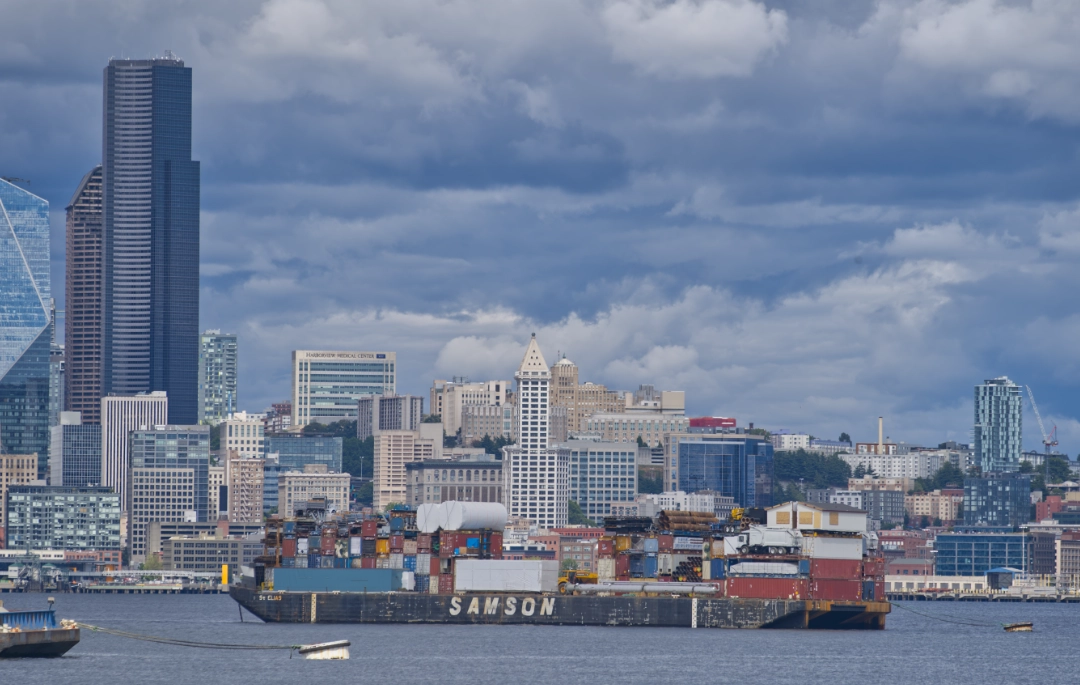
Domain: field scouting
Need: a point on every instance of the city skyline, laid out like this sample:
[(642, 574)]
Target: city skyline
[(808, 257)]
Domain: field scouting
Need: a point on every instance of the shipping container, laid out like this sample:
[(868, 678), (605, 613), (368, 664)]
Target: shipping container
[(301, 561), (718, 549), (326, 562), (433, 584), (652, 545), (665, 542), (356, 562), (314, 560), (495, 544), (879, 591), (369, 528), (665, 564), (823, 547), (302, 547), (367, 562), (397, 560), (637, 565), (716, 569), (750, 587), (622, 565), (835, 569), (341, 562), (327, 542), (410, 547), (605, 568), (605, 547), (423, 584), (369, 548), (397, 524), (623, 543), (650, 566), (288, 547), (436, 566), (763, 568), (837, 590), (290, 527), (423, 564), (688, 544), (382, 562), (397, 542), (382, 546), (423, 543), (873, 568), (446, 585), (336, 580), (501, 575), (356, 547), (288, 562), (341, 548), (409, 562)]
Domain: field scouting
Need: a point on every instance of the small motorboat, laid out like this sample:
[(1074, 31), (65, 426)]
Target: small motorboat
[(1019, 627)]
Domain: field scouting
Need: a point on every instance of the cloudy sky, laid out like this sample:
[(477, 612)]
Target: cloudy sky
[(805, 214)]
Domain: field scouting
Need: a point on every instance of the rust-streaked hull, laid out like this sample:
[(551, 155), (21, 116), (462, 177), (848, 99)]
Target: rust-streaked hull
[(38, 643)]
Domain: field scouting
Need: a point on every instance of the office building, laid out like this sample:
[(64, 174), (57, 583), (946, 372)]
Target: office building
[(26, 327), (326, 385), (56, 381), (911, 465), (120, 415), (168, 480), (208, 553), (388, 413), (1067, 559), (884, 506), (829, 447), (243, 434), (75, 452), (294, 451), (295, 488), (83, 261), (850, 498), (737, 465), (279, 418), (16, 469), (536, 478), (601, 474), (484, 420), (997, 500), (150, 219), (973, 554), (581, 400), (652, 427), (875, 483), (160, 531), (471, 478), (217, 376), (999, 414), (450, 398), (394, 450), (68, 518), (245, 489)]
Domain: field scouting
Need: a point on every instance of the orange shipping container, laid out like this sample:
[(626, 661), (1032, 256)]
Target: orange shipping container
[(382, 546)]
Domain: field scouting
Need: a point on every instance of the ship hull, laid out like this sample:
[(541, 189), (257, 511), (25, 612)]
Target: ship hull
[(587, 610), (37, 643)]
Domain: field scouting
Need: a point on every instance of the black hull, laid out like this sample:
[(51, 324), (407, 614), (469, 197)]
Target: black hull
[(584, 610), (37, 643)]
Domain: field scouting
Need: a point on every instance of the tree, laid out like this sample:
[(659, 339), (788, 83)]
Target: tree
[(813, 468), (949, 475), (493, 445), (431, 418), (844, 437), (575, 516), (1059, 468), (641, 442), (358, 457), (152, 563), (215, 437), (1026, 467), (860, 471), (568, 565), (650, 480), (365, 494)]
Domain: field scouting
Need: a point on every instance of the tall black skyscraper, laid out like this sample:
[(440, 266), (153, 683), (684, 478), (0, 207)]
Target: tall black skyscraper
[(150, 200)]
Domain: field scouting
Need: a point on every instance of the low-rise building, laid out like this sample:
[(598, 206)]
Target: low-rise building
[(874, 483), (209, 553), (905, 544), (15, 469), (852, 498), (243, 434), (972, 554), (782, 441), (969, 584), (946, 505), (892, 465), (830, 447), (1068, 559), (910, 567), (314, 482), (159, 531), (678, 500)]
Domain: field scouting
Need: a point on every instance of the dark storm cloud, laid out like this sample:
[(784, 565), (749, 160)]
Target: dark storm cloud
[(805, 214)]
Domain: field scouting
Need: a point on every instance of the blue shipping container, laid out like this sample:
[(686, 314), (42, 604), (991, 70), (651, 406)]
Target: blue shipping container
[(290, 527), (397, 524), (337, 580), (804, 566), (717, 568), (314, 560), (423, 583), (341, 562), (410, 563), (650, 566), (637, 566), (652, 545)]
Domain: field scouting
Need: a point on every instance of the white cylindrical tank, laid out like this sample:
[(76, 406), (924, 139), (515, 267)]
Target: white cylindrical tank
[(428, 518), (473, 515)]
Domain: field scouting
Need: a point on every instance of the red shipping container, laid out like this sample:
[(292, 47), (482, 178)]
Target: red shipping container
[(768, 588), (288, 547), (835, 569), (397, 542), (495, 545), (605, 547), (435, 566), (367, 562), (879, 591), (327, 542), (838, 590), (369, 528), (873, 568), (666, 543), (622, 565), (423, 543), (446, 585)]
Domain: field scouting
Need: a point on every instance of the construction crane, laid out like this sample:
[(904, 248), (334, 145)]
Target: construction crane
[(1049, 440)]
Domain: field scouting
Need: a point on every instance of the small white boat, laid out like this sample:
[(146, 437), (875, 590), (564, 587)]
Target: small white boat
[(326, 650)]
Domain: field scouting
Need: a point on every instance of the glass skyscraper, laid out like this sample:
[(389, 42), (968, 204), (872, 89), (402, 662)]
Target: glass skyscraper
[(75, 452), (734, 466), (998, 425), (25, 323), (150, 206)]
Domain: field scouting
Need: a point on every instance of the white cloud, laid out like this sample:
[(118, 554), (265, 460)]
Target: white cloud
[(694, 38)]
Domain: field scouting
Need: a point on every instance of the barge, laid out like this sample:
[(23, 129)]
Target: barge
[(796, 565), (35, 634)]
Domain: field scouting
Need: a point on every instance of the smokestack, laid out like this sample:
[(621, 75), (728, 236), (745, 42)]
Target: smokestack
[(880, 434)]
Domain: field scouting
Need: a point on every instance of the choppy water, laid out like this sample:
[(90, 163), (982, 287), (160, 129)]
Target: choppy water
[(913, 649)]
